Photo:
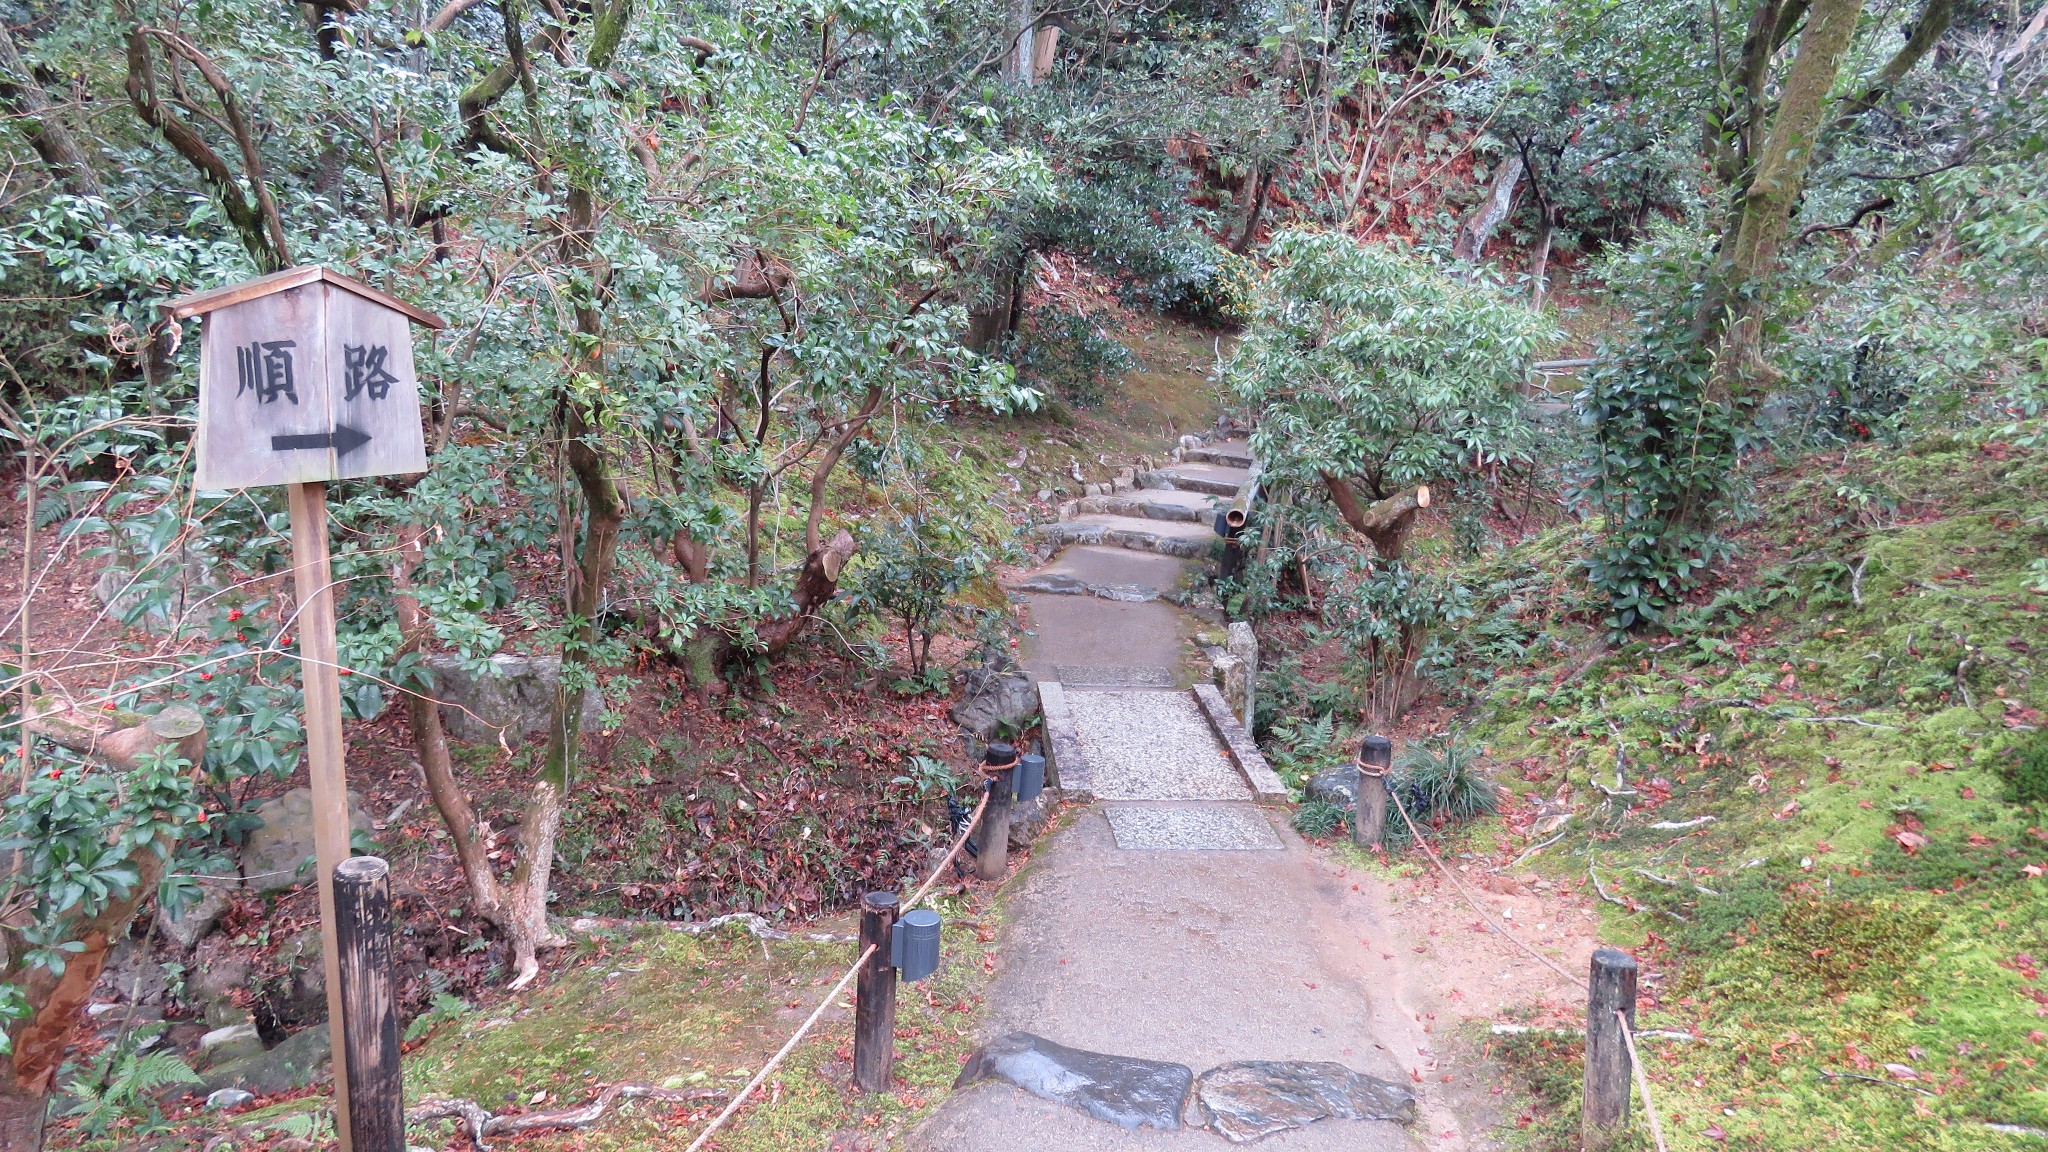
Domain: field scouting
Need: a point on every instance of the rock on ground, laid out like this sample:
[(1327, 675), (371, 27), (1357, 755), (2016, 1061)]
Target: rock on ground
[(515, 698), (278, 854), (125, 595), (1247, 1099), (1337, 785), (303, 999), (993, 699), (196, 920), (227, 1045), (300, 1060), (1028, 818)]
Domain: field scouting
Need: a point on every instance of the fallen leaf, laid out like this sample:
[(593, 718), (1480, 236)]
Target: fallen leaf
[(1910, 841)]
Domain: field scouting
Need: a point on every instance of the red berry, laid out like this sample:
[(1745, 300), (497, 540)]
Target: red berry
[(56, 773), (242, 636), (234, 615), (206, 675)]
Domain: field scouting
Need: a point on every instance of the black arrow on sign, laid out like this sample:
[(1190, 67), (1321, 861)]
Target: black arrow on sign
[(343, 440)]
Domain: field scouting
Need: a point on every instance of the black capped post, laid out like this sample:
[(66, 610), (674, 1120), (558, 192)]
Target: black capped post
[(1369, 822), (1611, 990), (369, 1005), (874, 995)]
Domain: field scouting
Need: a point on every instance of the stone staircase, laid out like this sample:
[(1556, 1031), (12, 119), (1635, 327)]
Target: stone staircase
[(1170, 510)]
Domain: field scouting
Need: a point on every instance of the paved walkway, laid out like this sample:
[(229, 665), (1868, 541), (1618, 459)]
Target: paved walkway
[(1174, 919)]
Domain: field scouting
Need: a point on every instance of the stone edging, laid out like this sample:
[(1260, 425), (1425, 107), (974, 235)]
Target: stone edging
[(1063, 760), (1250, 762)]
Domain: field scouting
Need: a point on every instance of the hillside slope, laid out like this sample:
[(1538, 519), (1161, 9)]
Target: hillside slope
[(1814, 812)]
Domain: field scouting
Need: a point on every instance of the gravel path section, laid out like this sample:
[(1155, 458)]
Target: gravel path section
[(1152, 746)]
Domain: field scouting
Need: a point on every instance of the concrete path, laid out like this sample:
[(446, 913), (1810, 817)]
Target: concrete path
[(1174, 918)]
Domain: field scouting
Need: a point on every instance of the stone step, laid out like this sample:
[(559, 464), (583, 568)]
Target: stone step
[(1170, 537), (1061, 584), (1148, 504), (1228, 453), (1215, 479)]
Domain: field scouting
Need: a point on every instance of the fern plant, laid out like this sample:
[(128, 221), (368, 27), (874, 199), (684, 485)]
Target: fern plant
[(122, 1083)]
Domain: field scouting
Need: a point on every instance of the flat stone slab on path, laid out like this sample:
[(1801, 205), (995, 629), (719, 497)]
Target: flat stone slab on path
[(1247, 1099), (1124, 1090), (1152, 746), (1191, 827)]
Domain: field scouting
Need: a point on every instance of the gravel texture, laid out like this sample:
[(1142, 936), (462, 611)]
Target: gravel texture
[(1152, 746), (1114, 676)]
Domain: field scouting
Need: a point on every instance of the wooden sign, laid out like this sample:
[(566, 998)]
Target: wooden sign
[(304, 376)]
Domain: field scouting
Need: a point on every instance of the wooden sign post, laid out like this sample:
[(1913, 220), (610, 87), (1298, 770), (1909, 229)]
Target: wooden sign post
[(306, 376)]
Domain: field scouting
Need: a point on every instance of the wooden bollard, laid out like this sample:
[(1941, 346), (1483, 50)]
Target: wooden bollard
[(1612, 989), (369, 1005), (1369, 821), (1000, 766), (874, 996)]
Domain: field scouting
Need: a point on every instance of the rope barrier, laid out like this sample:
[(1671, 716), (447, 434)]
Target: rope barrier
[(1471, 899), (804, 1029), (1628, 1036), (958, 843), (1635, 1064), (788, 1046)]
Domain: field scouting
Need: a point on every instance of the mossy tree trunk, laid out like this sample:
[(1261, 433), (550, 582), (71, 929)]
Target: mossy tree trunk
[(1731, 314)]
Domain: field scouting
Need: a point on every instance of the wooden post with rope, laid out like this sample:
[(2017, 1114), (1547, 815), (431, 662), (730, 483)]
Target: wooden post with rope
[(1610, 1001), (874, 995), (1000, 766), (1369, 822)]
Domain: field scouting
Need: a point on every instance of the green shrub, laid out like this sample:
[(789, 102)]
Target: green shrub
[(1071, 356), (1320, 818), (1439, 781)]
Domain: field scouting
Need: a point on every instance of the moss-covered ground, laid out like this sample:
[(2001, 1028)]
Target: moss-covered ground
[(1843, 745), (654, 1006)]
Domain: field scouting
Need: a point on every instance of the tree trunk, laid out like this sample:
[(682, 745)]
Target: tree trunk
[(44, 125), (1730, 316), (1500, 197), (1539, 260), (1386, 522), (430, 742), (1017, 62), (526, 892), (1263, 183), (57, 1002), (817, 585), (1934, 20), (21, 1112)]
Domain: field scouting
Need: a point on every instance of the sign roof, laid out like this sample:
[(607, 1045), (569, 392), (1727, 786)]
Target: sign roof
[(213, 299)]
